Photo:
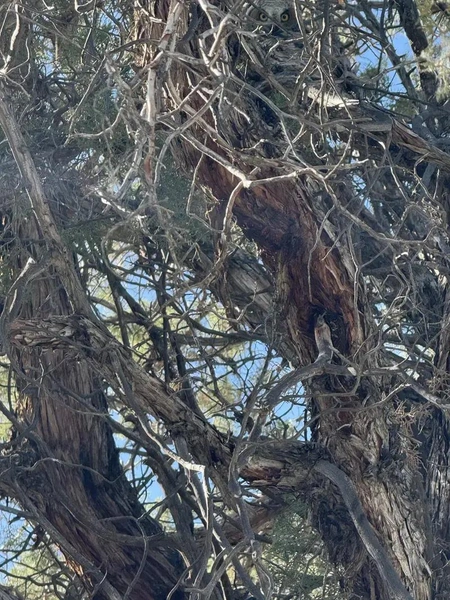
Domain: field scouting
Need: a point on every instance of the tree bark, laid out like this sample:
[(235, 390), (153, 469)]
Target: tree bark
[(302, 221), (72, 478), (287, 147)]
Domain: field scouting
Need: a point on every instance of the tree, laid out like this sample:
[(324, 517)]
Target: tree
[(153, 325)]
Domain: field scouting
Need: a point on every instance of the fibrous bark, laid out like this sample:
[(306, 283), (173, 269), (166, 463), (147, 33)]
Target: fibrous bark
[(347, 204), (315, 234)]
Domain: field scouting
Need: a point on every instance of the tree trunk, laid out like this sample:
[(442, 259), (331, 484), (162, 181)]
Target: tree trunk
[(320, 254), (72, 480), (347, 206)]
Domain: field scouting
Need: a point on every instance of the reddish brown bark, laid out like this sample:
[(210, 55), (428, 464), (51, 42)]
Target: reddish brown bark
[(322, 249), (316, 271)]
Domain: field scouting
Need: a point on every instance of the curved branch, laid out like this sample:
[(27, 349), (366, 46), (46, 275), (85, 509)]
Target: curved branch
[(364, 528)]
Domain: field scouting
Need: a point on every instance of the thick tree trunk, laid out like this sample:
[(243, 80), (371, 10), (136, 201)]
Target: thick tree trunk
[(310, 276), (72, 479), (302, 221), (249, 117)]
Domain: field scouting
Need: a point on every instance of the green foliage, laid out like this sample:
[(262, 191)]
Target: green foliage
[(154, 273), (297, 563), (36, 571)]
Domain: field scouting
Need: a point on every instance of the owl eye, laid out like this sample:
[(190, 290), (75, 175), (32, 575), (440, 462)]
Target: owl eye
[(285, 17), (263, 16)]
